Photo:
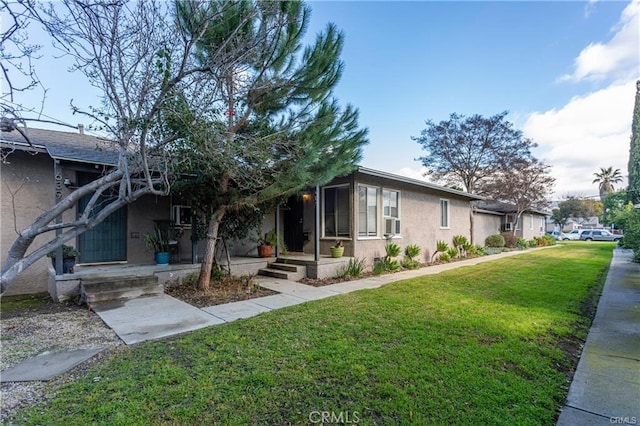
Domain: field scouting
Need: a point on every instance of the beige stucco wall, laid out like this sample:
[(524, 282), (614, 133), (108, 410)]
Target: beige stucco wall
[(485, 224), (419, 219), (527, 230), (27, 190)]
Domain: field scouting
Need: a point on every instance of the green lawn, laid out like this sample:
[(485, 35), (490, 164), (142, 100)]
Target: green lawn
[(476, 345)]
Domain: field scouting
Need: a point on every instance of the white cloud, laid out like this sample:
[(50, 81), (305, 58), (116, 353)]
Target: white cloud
[(412, 173), (617, 58), (586, 134)]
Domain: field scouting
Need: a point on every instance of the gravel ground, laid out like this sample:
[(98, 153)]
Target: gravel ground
[(52, 327)]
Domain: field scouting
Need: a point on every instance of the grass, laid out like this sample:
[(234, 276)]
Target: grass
[(10, 304), (475, 345)]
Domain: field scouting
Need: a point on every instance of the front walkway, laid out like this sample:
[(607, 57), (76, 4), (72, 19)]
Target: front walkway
[(149, 318), (606, 385)]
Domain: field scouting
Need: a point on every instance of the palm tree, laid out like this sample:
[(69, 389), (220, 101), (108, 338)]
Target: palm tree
[(606, 178)]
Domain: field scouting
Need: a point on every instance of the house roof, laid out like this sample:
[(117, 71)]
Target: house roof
[(423, 184), (64, 145), (501, 207)]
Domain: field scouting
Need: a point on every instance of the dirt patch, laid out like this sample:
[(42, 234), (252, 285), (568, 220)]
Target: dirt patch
[(222, 290)]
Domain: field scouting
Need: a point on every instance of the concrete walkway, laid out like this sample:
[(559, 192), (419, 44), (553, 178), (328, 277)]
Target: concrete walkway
[(606, 385), (149, 318)]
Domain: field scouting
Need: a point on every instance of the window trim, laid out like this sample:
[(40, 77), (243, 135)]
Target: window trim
[(448, 216), (377, 222), (323, 211), (399, 208)]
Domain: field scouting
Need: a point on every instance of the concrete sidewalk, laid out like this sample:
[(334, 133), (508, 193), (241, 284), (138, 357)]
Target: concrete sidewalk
[(606, 386)]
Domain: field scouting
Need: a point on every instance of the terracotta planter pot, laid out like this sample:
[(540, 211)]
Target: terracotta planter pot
[(265, 250)]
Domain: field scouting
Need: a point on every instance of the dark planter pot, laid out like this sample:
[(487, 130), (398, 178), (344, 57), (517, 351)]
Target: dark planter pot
[(162, 258), (67, 264), (265, 250)]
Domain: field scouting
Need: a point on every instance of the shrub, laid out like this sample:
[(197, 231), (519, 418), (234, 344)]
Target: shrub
[(493, 250), (412, 251), (479, 250), (532, 243), (409, 263), (549, 240), (392, 249), (354, 268), (391, 265), (494, 241), (444, 257), (521, 243), (378, 267), (469, 248), (453, 252), (441, 247), (510, 240)]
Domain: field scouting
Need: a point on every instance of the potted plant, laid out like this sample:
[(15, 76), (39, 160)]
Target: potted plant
[(69, 255), (268, 242), (158, 241), (337, 250)]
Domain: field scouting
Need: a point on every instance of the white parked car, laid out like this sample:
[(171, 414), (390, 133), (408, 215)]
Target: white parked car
[(573, 235)]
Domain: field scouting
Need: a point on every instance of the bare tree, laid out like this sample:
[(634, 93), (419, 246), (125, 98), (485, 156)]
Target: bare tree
[(526, 186), (469, 150), (142, 59)]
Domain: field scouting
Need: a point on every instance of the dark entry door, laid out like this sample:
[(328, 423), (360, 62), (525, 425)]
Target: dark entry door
[(293, 224), (107, 242)]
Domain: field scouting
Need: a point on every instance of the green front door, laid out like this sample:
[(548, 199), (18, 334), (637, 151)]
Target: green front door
[(107, 242)]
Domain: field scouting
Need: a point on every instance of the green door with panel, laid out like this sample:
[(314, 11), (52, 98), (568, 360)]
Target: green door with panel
[(107, 242)]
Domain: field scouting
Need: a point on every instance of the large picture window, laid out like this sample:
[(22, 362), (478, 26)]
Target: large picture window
[(444, 213), (336, 211), (367, 211)]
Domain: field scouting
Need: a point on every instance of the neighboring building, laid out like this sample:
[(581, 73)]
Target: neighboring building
[(531, 223), (36, 175), (367, 207)]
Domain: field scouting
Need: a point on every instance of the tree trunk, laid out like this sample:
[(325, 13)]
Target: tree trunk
[(210, 248)]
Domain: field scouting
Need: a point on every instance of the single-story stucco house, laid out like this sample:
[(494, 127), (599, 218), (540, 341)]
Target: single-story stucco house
[(364, 210)]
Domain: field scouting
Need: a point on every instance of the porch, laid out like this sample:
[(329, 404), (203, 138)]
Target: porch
[(63, 287)]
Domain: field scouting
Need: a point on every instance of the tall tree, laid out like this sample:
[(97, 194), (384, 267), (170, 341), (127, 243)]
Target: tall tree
[(605, 179), (469, 150), (143, 60), (575, 208), (633, 191), (526, 187), (272, 126)]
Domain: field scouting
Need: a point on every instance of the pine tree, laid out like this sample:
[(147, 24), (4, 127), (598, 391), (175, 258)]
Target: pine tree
[(634, 152), (272, 127)]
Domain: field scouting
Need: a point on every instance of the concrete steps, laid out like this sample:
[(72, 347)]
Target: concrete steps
[(284, 270), (96, 290)]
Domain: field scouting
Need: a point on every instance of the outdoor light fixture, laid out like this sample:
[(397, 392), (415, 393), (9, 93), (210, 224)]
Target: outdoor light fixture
[(67, 182)]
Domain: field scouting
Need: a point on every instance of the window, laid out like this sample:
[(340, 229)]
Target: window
[(444, 213), (542, 224), (391, 211), (367, 211), (531, 222), (336, 211)]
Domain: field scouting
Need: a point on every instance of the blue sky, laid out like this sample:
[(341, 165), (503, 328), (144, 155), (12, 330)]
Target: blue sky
[(566, 71)]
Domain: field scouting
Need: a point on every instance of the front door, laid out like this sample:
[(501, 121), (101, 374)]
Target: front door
[(106, 242), (293, 224)]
